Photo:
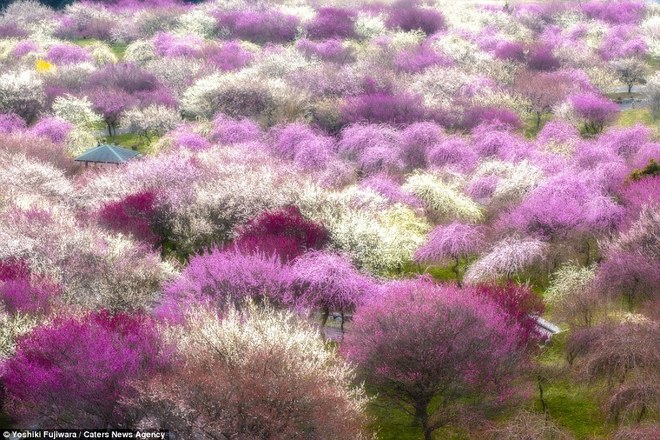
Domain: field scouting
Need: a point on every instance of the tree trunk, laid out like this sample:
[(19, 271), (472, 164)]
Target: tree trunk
[(422, 419), (544, 406), (538, 119), (630, 86), (454, 268), (324, 320)]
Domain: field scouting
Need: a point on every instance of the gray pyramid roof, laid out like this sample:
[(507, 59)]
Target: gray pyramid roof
[(107, 153)]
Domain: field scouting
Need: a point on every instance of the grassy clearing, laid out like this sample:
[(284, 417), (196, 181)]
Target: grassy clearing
[(574, 406), (634, 116), (392, 423), (529, 128), (117, 48), (132, 141), (571, 404)]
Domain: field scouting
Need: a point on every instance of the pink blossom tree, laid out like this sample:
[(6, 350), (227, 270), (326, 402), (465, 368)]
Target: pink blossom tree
[(451, 242), (133, 215), (218, 277), (420, 342), (328, 282), (542, 91)]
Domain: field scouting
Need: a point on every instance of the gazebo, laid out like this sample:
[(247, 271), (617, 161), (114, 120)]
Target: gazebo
[(107, 153)]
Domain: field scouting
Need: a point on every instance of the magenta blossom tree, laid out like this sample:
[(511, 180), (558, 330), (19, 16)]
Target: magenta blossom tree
[(220, 276), (631, 275), (74, 371), (408, 16), (420, 342), (596, 111), (451, 243), (332, 22)]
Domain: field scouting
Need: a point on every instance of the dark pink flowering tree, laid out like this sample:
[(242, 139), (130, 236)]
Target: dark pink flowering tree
[(453, 152), (10, 123), (623, 41), (227, 57), (521, 306), (22, 291), (420, 342), (631, 275), (285, 233), (190, 140), (416, 140), (126, 76), (303, 145), (451, 242), (132, 215), (169, 45), (54, 129), (74, 371), (357, 138), (620, 12), (328, 282), (12, 30), (231, 131), (541, 58), (566, 207), (510, 50), (67, 54)]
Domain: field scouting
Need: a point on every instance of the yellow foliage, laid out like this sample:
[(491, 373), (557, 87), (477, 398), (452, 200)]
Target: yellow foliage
[(43, 66)]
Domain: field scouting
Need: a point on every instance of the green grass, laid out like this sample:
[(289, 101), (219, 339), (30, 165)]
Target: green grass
[(129, 140), (392, 423), (117, 48), (571, 404), (574, 406), (443, 273), (634, 116), (529, 128)]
